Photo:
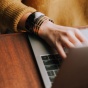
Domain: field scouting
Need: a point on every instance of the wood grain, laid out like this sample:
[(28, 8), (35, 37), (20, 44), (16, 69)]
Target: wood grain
[(17, 66)]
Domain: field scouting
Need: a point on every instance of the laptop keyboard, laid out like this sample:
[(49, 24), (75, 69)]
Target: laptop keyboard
[(52, 64)]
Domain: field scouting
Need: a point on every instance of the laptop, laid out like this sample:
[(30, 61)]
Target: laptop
[(50, 62)]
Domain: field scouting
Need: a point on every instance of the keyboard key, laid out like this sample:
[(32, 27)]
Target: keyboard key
[(56, 71), (55, 56), (44, 57), (50, 62), (50, 73), (51, 79), (51, 57), (51, 67)]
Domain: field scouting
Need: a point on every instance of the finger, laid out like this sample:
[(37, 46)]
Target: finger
[(73, 38), (80, 36), (60, 50), (66, 42)]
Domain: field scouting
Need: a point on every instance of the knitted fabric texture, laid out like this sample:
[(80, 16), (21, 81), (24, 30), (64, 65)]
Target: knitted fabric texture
[(11, 12)]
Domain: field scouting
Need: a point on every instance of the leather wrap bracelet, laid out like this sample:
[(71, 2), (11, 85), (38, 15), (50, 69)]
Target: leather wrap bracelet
[(34, 21)]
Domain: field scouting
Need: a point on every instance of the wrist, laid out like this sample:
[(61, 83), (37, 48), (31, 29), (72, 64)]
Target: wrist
[(45, 28), (34, 22)]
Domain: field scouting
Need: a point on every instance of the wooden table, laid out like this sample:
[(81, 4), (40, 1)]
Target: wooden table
[(17, 65)]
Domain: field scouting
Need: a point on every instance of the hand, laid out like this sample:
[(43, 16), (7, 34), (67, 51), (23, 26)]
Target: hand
[(60, 36)]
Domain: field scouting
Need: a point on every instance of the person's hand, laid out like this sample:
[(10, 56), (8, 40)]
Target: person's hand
[(61, 36)]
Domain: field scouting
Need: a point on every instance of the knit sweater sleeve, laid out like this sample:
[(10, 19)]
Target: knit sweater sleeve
[(11, 12)]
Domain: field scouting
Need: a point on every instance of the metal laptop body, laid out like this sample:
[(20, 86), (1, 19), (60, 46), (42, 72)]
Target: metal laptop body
[(40, 48)]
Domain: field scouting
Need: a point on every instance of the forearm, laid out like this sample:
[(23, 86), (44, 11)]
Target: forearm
[(11, 11)]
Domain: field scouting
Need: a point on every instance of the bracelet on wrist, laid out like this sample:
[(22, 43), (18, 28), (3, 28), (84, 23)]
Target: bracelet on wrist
[(34, 21)]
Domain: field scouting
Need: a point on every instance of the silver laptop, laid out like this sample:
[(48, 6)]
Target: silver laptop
[(48, 60)]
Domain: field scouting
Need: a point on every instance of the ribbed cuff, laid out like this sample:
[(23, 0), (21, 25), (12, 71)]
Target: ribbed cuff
[(13, 13)]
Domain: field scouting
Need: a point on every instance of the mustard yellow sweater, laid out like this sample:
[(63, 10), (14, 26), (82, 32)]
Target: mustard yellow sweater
[(63, 12), (11, 12)]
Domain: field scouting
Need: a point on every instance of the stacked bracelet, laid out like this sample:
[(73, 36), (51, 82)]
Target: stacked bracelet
[(34, 21)]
